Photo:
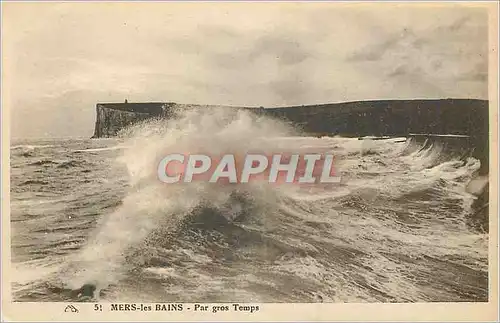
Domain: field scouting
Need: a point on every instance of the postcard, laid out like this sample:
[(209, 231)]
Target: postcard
[(249, 161)]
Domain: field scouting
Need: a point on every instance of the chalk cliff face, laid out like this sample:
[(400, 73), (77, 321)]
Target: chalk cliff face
[(110, 121), (113, 117)]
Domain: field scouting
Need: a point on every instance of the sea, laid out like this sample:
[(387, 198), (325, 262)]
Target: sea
[(91, 221)]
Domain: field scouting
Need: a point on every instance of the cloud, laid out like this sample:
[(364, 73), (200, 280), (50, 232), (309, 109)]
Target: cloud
[(478, 73), (434, 61), (377, 51), (64, 58)]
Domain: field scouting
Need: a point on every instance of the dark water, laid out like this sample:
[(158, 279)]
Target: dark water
[(395, 230)]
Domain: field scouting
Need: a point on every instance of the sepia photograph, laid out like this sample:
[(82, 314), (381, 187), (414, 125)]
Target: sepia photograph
[(217, 157)]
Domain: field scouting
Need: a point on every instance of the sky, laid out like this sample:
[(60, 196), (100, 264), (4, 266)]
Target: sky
[(60, 59)]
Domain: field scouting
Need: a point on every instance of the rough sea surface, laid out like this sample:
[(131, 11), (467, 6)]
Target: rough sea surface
[(93, 212)]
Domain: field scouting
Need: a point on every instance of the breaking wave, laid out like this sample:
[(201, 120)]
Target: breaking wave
[(396, 229), (151, 204)]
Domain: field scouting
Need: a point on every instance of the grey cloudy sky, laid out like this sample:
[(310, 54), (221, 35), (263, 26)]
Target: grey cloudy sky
[(62, 58)]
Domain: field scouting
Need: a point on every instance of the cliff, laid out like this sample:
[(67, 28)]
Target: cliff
[(403, 118), (112, 117), (423, 121), (391, 117), (363, 118)]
